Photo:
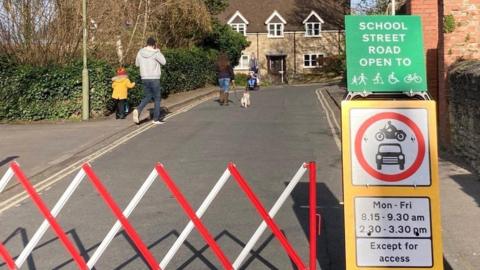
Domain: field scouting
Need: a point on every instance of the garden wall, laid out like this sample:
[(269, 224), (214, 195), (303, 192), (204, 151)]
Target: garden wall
[(464, 108)]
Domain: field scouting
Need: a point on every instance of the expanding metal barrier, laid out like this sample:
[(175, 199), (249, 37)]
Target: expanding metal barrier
[(195, 217)]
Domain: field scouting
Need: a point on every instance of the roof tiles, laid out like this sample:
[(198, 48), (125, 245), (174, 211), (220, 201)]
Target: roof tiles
[(293, 11)]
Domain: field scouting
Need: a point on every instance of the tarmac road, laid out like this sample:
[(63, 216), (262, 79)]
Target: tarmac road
[(268, 142)]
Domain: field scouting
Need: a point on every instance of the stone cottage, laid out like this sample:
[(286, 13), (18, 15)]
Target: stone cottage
[(288, 37)]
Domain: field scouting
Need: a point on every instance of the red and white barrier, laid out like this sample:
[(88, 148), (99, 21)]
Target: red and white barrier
[(50, 220), (15, 170), (195, 217)]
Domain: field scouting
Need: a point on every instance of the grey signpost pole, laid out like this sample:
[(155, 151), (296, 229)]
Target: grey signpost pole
[(393, 7), (85, 83)]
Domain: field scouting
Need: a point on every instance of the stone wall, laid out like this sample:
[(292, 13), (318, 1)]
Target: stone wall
[(464, 81), (464, 40), (294, 46)]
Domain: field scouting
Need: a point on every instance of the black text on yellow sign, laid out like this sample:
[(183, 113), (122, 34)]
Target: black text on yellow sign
[(391, 185)]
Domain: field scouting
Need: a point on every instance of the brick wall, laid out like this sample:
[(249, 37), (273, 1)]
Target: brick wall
[(443, 49), (428, 11), (464, 81)]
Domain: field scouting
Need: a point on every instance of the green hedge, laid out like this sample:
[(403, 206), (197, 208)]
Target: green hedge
[(55, 92), (188, 69)]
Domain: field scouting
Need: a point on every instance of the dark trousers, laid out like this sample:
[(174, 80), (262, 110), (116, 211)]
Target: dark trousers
[(151, 90), (120, 108)]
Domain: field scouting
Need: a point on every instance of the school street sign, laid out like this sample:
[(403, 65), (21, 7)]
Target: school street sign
[(385, 54), (391, 185)]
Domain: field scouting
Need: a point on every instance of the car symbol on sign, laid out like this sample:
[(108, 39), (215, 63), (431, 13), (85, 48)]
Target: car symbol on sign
[(390, 154)]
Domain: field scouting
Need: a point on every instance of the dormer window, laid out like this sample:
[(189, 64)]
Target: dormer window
[(275, 25), (238, 23), (240, 28), (275, 30), (312, 29), (313, 25)]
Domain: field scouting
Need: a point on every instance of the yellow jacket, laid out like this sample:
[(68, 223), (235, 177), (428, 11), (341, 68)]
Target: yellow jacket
[(120, 86)]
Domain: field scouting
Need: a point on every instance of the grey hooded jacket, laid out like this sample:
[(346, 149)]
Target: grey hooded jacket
[(149, 60)]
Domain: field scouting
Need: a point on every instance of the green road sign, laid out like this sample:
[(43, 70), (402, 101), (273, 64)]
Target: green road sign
[(385, 54)]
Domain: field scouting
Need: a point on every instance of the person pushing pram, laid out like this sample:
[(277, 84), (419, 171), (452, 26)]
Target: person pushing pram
[(253, 80)]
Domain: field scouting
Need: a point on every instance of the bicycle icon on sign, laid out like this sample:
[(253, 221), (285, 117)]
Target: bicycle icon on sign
[(413, 78)]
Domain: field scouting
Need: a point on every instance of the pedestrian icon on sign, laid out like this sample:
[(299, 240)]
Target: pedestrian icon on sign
[(359, 80)]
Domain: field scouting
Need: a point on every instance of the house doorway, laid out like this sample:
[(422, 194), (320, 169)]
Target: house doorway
[(277, 68)]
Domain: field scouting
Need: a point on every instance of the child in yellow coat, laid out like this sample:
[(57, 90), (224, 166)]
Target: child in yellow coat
[(120, 86)]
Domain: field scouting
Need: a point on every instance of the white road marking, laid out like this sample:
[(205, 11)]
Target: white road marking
[(330, 115), (46, 184)]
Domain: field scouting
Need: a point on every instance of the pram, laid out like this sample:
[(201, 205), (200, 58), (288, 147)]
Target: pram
[(252, 81)]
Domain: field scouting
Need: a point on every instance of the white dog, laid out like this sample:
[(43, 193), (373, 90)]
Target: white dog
[(245, 101)]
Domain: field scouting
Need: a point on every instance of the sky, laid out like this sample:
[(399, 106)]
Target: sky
[(354, 2)]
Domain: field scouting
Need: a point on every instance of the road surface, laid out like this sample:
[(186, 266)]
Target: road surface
[(268, 142)]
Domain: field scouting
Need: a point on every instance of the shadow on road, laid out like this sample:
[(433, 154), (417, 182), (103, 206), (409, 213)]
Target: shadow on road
[(331, 242), (7, 160), (197, 253), (24, 238)]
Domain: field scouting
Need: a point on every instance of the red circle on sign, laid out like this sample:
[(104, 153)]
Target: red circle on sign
[(390, 177)]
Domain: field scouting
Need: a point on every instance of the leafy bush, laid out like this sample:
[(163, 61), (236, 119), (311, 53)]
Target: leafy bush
[(52, 92), (55, 92), (187, 69), (224, 39), (448, 24), (241, 80)]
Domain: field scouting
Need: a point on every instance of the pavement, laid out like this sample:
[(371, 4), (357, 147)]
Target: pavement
[(45, 148), (460, 207)]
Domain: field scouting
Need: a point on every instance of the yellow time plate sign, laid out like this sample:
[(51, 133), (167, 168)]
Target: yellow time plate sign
[(391, 186)]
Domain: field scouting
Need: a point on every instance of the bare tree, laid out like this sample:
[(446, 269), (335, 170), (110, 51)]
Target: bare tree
[(371, 7), (36, 30), (50, 31)]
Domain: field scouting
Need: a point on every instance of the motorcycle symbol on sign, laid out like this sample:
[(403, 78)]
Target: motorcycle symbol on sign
[(390, 153), (390, 132)]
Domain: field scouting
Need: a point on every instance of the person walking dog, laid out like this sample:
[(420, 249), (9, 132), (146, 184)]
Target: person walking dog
[(225, 77), (150, 60)]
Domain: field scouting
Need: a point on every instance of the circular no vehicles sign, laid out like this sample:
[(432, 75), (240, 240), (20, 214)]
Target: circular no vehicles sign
[(389, 147)]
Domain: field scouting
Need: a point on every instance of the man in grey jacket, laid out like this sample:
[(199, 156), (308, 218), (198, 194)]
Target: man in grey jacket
[(149, 59)]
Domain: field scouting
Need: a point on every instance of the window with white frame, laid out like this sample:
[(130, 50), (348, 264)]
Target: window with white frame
[(275, 29), (275, 24), (244, 62), (240, 28), (312, 29), (313, 24), (238, 23), (312, 60)]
